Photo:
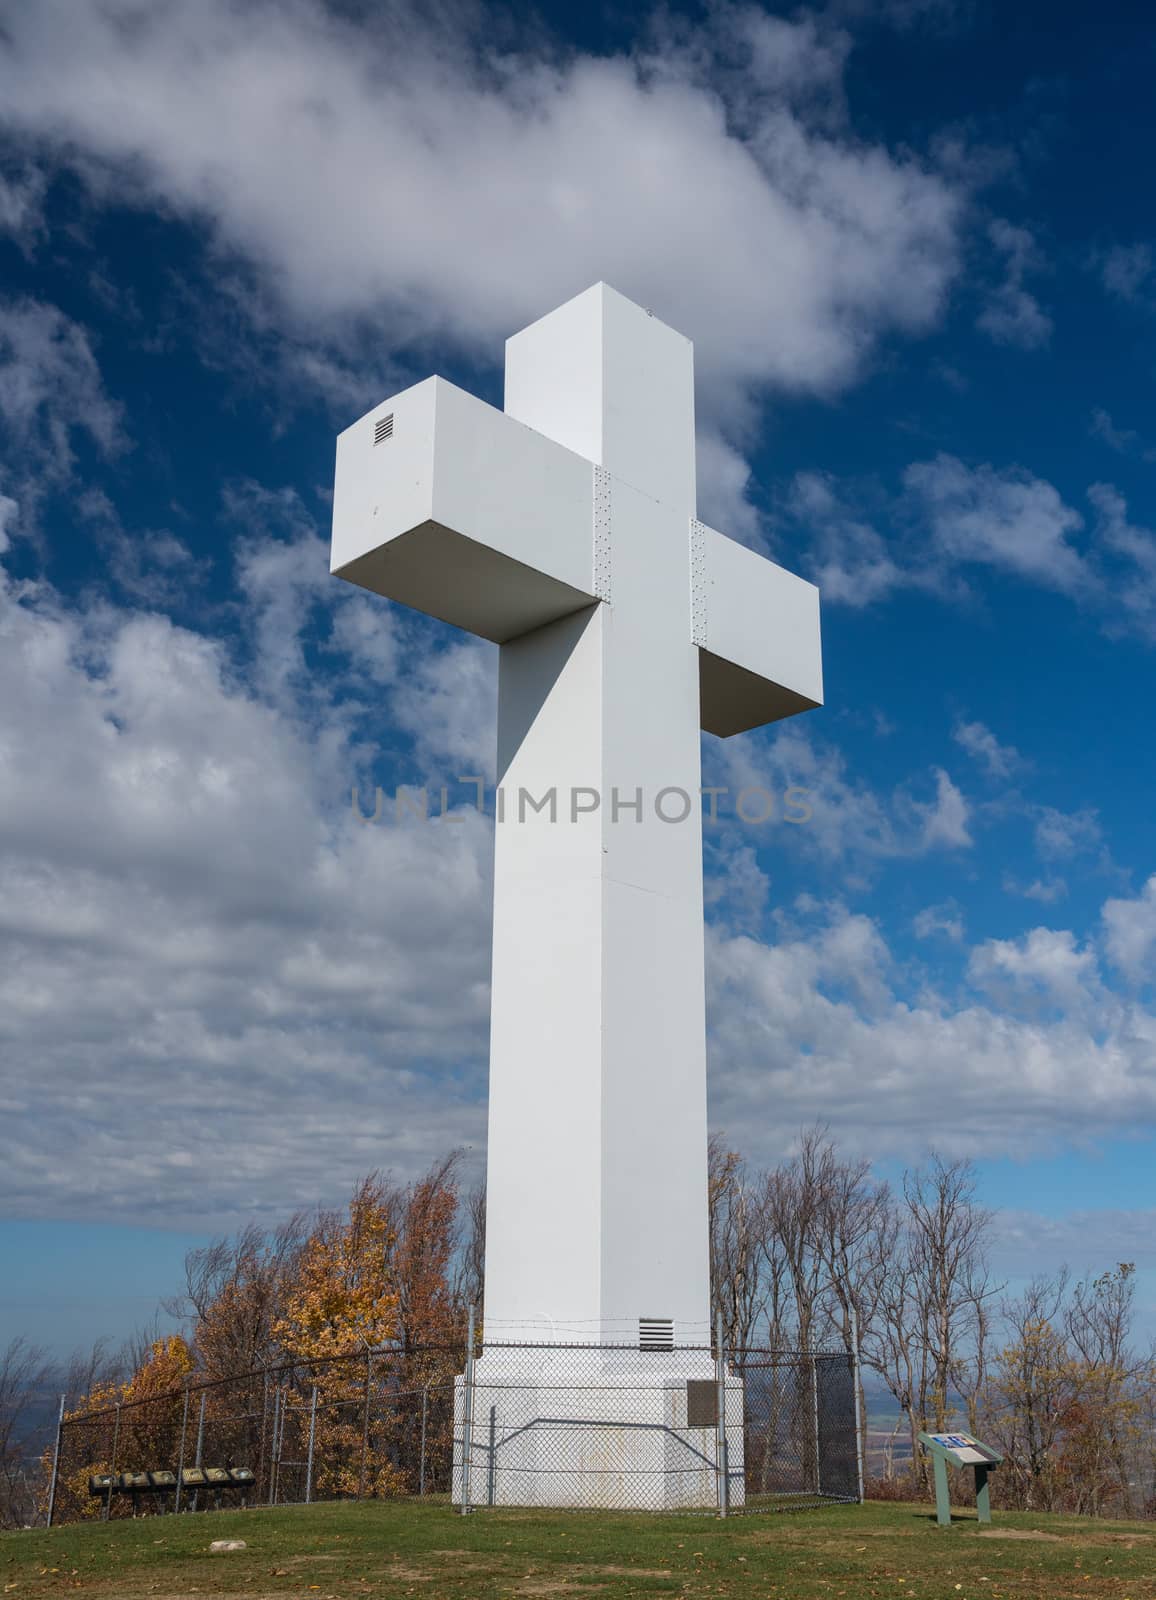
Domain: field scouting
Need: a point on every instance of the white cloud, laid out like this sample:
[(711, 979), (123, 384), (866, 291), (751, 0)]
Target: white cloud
[(1044, 961), (1126, 269), (945, 819), (283, 574), (850, 560), (1006, 519), (822, 1024), (1012, 314), (50, 389), (1046, 891), (1122, 440), (9, 512), (945, 919), (1059, 835), (735, 887), (151, 565), (1137, 546), (724, 482), (218, 991), (448, 703), (21, 194), (1026, 1243), (1130, 932), (998, 760), (403, 168), (951, 517), (846, 819)]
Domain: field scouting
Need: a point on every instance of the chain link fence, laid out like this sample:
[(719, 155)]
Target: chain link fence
[(522, 1425), (672, 1430)]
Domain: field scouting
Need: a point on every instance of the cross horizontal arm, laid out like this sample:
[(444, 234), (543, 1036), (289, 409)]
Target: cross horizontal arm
[(757, 629), (444, 503)]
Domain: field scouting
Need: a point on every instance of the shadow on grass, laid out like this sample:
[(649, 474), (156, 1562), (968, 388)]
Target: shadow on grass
[(956, 1516)]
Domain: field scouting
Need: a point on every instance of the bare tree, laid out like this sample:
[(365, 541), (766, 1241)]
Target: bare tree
[(1033, 1388), (1099, 1325), (24, 1377), (947, 1233), (420, 1254), (932, 1297), (89, 1369), (738, 1285), (858, 1231), (234, 1293), (890, 1341), (794, 1198)]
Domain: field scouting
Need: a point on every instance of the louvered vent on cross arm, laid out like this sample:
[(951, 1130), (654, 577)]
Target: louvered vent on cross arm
[(383, 429), (655, 1333)]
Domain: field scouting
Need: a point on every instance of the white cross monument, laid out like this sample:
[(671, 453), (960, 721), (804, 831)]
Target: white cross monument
[(565, 530)]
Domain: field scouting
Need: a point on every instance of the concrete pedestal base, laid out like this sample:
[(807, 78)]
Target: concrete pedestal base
[(595, 1428)]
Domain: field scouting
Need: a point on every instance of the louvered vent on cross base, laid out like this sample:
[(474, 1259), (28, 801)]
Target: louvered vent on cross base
[(383, 429), (655, 1333)]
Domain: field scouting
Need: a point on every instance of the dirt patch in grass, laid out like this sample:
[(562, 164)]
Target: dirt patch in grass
[(469, 1562), (1020, 1533), (629, 1572), (578, 1580), (545, 1586)]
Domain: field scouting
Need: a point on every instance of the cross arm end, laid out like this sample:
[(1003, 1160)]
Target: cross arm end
[(760, 653), (445, 504)]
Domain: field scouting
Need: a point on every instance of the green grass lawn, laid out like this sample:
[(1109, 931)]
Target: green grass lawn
[(340, 1552)]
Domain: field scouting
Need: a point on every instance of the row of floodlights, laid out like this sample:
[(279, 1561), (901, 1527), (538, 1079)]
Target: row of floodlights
[(106, 1483)]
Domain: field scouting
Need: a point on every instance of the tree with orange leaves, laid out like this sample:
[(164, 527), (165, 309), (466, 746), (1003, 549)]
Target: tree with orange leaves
[(129, 1426), (340, 1304)]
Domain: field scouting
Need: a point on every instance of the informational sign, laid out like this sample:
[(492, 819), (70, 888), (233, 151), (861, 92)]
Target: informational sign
[(960, 1450), (965, 1449)]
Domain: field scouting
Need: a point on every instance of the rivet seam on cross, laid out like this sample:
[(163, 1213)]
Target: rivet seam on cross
[(602, 534), (698, 582)]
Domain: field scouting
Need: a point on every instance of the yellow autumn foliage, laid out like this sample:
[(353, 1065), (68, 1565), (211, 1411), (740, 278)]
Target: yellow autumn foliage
[(340, 1304), (133, 1426)]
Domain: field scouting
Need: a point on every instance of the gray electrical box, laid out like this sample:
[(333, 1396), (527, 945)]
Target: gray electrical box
[(701, 1403)]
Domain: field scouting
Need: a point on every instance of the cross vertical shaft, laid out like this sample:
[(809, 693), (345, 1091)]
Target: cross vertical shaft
[(596, 1200)]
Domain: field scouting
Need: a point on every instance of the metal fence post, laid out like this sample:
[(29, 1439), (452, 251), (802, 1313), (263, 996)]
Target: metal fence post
[(312, 1436), (815, 1409), (181, 1454), (364, 1433), (424, 1416), (55, 1465), (856, 1379), (112, 1464), (261, 1459), (200, 1446), (720, 1369), (468, 1419), (275, 1443)]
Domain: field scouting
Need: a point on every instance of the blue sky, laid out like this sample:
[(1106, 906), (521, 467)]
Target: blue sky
[(913, 245)]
